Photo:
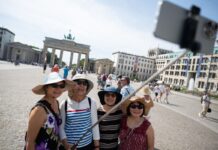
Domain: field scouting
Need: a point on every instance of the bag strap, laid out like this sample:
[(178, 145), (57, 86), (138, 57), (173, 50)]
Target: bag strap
[(90, 103), (127, 91), (48, 106)]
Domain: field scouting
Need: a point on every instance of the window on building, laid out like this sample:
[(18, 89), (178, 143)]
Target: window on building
[(199, 84), (202, 85), (211, 86), (193, 61), (175, 81), (217, 87)]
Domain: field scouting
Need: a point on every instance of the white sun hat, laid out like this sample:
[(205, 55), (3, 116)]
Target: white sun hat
[(84, 77), (53, 77)]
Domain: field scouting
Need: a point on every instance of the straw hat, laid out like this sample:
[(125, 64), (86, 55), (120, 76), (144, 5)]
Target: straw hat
[(53, 77), (132, 100), (109, 90), (83, 77), (145, 91)]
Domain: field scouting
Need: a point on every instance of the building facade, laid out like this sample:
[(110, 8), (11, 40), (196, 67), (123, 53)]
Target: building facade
[(201, 69), (155, 52), (18, 52), (103, 66), (6, 36), (134, 66)]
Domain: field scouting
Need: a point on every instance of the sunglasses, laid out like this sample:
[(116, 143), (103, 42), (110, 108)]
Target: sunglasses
[(55, 85), (134, 106), (110, 94), (82, 82)]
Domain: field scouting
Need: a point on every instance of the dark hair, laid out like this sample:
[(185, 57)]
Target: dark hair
[(128, 109)]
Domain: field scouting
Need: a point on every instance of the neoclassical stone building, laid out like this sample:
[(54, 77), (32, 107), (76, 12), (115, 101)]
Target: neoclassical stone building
[(103, 66), (134, 66), (6, 36), (65, 45), (19, 52)]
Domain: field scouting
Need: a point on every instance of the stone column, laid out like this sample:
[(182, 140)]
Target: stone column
[(71, 60), (8, 53), (100, 69), (60, 59), (52, 57), (85, 65), (78, 60), (44, 55)]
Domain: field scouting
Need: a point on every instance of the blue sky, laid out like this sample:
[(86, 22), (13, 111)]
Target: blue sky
[(106, 25)]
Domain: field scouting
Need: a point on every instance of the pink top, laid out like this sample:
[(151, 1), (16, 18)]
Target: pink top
[(133, 139)]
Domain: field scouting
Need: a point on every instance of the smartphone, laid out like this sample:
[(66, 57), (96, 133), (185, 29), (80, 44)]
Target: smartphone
[(169, 26)]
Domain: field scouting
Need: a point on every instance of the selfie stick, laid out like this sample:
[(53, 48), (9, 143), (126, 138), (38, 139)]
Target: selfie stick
[(126, 98)]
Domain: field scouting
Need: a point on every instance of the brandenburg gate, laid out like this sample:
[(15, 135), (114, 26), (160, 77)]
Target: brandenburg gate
[(65, 45)]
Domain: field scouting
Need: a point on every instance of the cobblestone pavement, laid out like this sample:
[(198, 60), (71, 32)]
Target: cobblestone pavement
[(177, 126)]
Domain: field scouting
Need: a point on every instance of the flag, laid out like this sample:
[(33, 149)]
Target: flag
[(199, 65), (187, 66)]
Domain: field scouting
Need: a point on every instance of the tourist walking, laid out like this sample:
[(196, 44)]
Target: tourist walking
[(156, 93), (110, 125), (44, 67), (55, 68), (99, 81), (162, 90), (167, 92), (44, 118), (79, 113), (109, 81), (126, 88), (205, 103), (136, 131), (66, 70)]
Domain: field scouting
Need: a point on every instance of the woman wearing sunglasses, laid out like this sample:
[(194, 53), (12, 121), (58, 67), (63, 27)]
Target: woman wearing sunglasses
[(110, 125), (136, 132), (44, 118)]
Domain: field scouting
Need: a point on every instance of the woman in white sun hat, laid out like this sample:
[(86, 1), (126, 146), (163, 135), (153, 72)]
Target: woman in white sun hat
[(44, 118)]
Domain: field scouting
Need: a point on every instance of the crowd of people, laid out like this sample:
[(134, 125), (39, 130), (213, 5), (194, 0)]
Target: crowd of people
[(72, 124), (69, 125)]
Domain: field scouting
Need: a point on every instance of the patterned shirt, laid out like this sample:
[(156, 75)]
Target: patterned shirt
[(133, 139), (48, 136)]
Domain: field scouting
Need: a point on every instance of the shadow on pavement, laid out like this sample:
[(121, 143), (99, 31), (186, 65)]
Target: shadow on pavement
[(212, 119), (156, 149), (170, 104)]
